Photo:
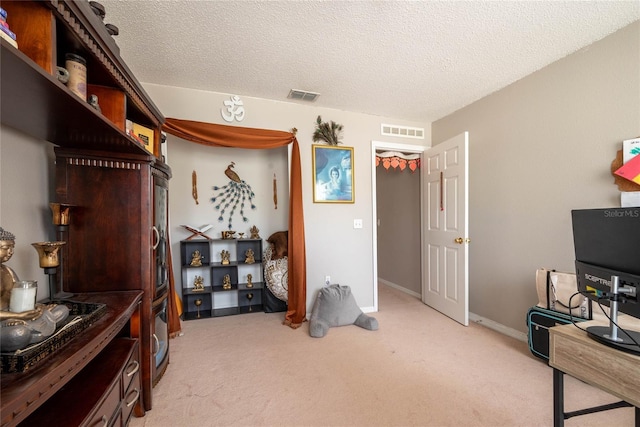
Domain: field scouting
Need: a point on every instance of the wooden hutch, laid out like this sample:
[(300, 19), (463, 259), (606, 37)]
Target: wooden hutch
[(117, 241)]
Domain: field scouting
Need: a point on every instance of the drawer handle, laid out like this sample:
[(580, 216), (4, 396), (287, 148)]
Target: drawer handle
[(136, 368), (157, 342), (133, 402)]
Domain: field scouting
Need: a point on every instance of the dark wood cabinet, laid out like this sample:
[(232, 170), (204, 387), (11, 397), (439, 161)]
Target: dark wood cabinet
[(117, 239), (112, 236)]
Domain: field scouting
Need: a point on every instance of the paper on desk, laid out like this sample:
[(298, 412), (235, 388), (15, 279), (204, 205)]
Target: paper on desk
[(630, 199)]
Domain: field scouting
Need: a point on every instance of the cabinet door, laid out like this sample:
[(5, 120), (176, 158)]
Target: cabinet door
[(161, 236)]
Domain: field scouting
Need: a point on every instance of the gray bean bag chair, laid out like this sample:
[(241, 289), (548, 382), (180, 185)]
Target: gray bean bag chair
[(336, 306)]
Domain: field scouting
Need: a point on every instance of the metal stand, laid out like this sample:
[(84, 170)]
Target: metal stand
[(51, 272), (62, 236), (609, 335)]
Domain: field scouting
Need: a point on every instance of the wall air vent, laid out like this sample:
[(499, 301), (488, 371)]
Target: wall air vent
[(402, 131), (303, 95)]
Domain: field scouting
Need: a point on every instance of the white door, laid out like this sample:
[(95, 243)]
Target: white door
[(445, 283)]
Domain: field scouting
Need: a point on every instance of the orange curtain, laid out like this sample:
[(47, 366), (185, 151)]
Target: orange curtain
[(240, 137), (173, 304)]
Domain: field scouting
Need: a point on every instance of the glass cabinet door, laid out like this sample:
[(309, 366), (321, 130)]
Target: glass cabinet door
[(160, 221)]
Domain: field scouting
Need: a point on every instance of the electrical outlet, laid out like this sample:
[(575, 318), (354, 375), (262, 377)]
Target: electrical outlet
[(327, 280)]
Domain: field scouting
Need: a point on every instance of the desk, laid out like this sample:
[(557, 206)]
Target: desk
[(573, 352)]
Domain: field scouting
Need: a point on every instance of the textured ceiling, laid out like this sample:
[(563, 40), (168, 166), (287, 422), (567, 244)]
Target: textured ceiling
[(406, 60)]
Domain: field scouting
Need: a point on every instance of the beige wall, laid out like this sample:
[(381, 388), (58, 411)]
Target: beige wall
[(26, 188), (539, 148), (398, 212), (333, 246)]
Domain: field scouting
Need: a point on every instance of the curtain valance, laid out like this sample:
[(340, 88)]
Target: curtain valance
[(240, 137)]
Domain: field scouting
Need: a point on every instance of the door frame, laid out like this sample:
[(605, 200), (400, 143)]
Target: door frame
[(405, 148)]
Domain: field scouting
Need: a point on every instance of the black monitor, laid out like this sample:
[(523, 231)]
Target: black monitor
[(607, 248)]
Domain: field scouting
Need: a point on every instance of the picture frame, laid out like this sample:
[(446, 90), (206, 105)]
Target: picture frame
[(333, 174)]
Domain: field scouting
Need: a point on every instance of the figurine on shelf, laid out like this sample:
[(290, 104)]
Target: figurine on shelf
[(7, 275), (228, 234), (196, 259), (249, 283), (198, 284), (249, 257), (17, 330), (255, 233), (226, 282), (226, 256), (93, 101)]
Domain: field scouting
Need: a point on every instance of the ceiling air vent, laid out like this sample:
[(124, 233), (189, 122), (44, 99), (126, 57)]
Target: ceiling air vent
[(303, 95), (402, 131)]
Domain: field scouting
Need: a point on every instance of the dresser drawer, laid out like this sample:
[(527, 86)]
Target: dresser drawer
[(94, 397), (107, 409), (132, 385), (131, 370)]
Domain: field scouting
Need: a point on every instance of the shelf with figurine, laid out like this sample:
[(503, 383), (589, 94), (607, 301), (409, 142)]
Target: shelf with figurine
[(222, 276)]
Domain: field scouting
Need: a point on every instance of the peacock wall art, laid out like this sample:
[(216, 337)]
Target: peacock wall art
[(236, 194)]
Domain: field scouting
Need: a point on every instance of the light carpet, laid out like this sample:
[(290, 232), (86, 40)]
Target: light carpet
[(419, 369)]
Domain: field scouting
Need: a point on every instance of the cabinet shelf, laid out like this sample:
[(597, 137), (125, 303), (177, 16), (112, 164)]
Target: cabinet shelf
[(36, 103)]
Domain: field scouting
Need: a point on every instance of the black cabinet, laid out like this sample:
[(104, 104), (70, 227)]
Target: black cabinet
[(221, 277)]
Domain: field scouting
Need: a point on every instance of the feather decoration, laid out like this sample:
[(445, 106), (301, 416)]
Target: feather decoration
[(329, 132)]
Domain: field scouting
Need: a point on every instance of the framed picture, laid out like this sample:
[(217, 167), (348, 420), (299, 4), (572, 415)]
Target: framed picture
[(333, 174)]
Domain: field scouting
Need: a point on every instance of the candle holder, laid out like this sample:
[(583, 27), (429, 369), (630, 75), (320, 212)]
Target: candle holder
[(48, 254), (250, 297), (198, 303), (61, 215)]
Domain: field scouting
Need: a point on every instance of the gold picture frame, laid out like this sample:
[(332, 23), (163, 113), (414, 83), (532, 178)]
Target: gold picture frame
[(333, 174)]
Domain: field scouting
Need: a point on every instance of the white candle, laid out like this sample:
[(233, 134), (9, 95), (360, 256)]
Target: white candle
[(23, 296)]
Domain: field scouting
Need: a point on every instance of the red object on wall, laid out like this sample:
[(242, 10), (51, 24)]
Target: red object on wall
[(398, 160)]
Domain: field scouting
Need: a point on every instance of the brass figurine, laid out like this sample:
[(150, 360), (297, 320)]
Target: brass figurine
[(226, 257), (17, 330), (198, 284), (7, 275), (226, 282), (255, 233), (196, 259), (249, 257), (228, 234), (249, 283)]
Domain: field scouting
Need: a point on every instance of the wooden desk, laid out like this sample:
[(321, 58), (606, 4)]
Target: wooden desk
[(573, 352)]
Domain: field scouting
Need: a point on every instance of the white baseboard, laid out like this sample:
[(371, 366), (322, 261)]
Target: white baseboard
[(498, 327), (488, 323), (400, 288)]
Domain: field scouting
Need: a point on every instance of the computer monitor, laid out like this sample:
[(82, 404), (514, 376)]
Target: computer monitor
[(607, 249)]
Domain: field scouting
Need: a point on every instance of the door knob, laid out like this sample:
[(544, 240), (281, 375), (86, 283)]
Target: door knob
[(459, 240)]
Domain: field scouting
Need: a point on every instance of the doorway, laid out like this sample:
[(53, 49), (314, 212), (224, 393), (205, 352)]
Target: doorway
[(399, 225)]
